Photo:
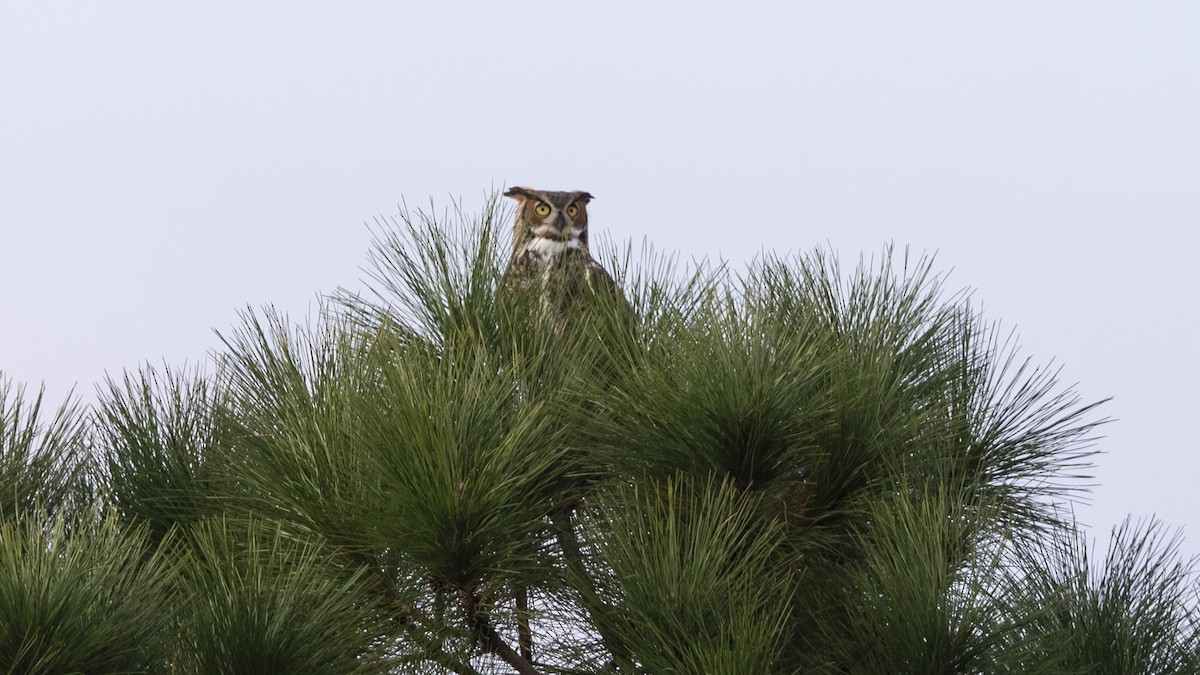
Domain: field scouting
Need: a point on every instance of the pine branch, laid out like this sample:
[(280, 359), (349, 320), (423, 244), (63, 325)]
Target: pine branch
[(438, 655), (412, 622), (568, 541), (524, 635), (490, 639)]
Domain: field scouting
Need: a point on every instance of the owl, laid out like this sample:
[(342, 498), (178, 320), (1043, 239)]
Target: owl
[(550, 253)]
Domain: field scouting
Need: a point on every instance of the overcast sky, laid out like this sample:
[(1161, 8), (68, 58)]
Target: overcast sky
[(164, 164)]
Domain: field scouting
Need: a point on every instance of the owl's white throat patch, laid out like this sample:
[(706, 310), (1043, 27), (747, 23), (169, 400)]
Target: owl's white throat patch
[(547, 248)]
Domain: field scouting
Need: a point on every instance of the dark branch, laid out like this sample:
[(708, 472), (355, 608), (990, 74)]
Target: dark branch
[(490, 639), (524, 635), (568, 541)]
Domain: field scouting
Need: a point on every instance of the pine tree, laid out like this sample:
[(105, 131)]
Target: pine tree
[(792, 469)]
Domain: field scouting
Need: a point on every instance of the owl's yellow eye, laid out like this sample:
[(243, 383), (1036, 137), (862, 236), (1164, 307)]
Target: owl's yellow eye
[(542, 209), (572, 210)]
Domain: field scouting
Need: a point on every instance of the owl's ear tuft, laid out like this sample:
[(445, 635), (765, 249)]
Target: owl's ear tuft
[(520, 193), (582, 197)]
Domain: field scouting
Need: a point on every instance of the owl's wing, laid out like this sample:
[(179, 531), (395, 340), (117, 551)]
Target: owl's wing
[(600, 281), (605, 289), (569, 287)]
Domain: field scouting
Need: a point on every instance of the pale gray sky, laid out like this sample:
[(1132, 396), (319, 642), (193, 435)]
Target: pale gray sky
[(164, 164)]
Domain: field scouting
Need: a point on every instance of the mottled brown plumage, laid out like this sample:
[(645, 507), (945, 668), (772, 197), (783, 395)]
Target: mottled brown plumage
[(550, 251)]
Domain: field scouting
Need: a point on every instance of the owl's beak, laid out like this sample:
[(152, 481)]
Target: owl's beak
[(560, 224)]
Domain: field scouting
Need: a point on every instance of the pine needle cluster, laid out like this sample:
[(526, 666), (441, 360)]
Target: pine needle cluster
[(792, 469)]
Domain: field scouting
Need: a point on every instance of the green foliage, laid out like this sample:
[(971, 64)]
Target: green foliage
[(82, 594), (156, 435), (1136, 612), (793, 470), (41, 462), (686, 576), (293, 449), (436, 280), (261, 602), (466, 475), (926, 595)]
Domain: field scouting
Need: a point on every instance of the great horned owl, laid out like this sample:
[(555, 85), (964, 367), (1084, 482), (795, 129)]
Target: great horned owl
[(550, 252)]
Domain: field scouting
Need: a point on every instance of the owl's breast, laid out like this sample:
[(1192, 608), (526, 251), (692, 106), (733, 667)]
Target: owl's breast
[(548, 249)]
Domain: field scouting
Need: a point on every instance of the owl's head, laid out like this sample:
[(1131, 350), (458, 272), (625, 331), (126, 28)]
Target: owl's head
[(550, 223)]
